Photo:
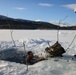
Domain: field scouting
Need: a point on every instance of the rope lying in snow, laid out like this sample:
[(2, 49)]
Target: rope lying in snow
[(71, 42)]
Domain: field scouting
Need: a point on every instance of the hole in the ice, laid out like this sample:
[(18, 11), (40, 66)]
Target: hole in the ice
[(12, 55)]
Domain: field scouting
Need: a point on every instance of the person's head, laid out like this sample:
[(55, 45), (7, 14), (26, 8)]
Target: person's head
[(30, 53)]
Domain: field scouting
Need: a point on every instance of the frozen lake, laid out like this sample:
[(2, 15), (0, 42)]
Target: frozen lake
[(37, 41)]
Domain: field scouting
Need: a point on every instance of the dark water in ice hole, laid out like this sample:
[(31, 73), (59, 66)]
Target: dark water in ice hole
[(12, 55)]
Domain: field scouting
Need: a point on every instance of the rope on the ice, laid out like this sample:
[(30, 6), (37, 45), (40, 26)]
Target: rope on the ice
[(26, 53), (71, 42), (11, 32), (48, 44), (59, 26)]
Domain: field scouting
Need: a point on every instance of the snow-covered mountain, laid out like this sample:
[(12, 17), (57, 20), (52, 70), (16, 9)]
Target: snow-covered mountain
[(13, 23), (23, 24)]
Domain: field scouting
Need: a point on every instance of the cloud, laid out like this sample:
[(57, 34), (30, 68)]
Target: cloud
[(20, 8), (45, 4), (70, 6)]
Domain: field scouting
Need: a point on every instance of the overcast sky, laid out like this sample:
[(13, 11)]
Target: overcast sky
[(40, 10)]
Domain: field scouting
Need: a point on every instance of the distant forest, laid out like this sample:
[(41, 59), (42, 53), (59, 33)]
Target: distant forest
[(11, 23)]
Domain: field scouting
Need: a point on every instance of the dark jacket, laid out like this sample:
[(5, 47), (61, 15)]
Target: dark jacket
[(33, 60)]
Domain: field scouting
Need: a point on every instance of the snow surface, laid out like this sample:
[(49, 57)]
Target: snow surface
[(37, 41)]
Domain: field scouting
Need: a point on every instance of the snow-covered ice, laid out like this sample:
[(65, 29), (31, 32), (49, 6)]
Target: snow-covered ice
[(37, 41)]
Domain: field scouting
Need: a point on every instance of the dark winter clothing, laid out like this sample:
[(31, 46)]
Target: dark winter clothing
[(31, 59)]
